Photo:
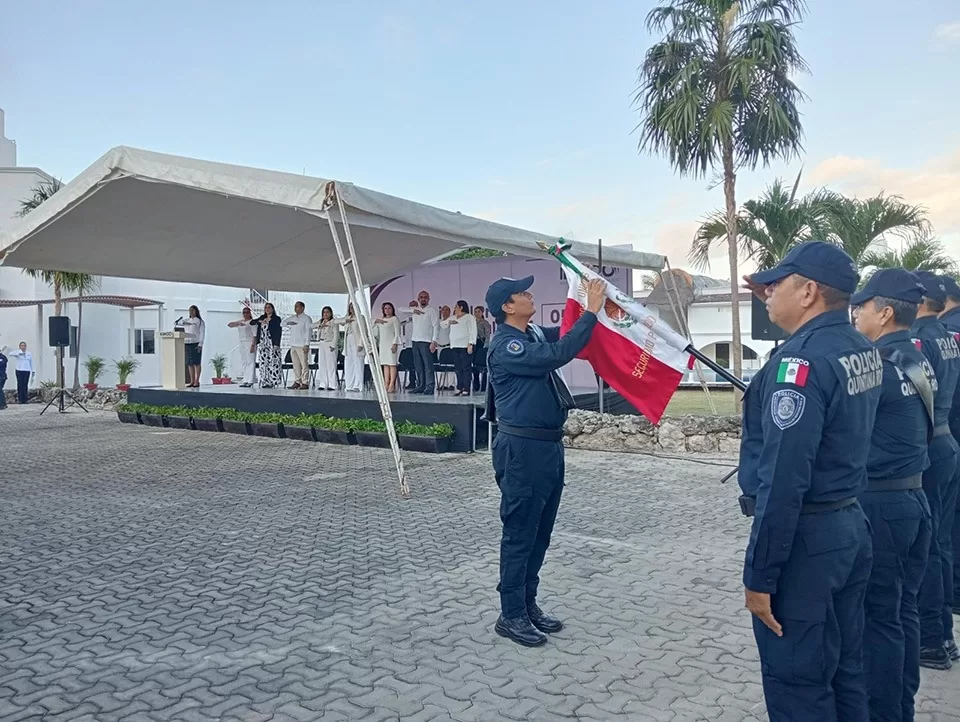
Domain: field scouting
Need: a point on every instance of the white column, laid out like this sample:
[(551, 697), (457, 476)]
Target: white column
[(38, 355), (133, 325)]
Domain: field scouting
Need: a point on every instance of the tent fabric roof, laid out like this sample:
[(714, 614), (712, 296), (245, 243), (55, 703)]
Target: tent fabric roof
[(121, 301), (140, 214)]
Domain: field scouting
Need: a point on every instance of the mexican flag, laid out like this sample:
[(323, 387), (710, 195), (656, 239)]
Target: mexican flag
[(631, 349)]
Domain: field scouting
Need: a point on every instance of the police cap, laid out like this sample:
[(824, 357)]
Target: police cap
[(897, 283), (819, 261), (951, 285), (502, 290), (933, 286)]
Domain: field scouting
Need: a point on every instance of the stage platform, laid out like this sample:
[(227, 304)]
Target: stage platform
[(461, 412)]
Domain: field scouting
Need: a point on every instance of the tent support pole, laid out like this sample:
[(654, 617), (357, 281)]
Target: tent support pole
[(351, 276), (600, 272)]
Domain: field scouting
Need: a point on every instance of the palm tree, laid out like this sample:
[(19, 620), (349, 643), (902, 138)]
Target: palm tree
[(61, 281), (717, 90), (921, 254), (856, 225), (767, 227)]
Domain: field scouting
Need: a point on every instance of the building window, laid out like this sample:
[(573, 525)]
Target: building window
[(723, 354), (74, 343), (144, 341)]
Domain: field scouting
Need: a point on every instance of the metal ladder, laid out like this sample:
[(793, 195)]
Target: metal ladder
[(335, 211)]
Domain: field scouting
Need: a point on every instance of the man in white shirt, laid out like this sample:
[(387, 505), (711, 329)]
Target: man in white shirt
[(25, 371), (300, 327), (248, 348), (423, 336)]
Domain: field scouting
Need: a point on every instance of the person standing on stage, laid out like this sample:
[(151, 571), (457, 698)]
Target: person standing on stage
[(194, 330), (327, 353), (463, 340), (386, 331), (25, 372), (808, 418), (248, 347), (894, 501), (423, 338), (300, 325), (353, 352), (269, 333), (531, 403), (940, 348), (483, 340)]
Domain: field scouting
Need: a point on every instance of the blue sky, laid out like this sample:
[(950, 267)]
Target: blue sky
[(517, 112)]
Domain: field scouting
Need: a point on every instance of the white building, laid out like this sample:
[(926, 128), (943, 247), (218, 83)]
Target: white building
[(113, 332)]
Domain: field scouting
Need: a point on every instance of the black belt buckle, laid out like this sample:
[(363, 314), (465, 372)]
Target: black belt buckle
[(748, 505)]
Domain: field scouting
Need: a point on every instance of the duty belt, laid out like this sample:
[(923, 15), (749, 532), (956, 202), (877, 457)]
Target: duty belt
[(909, 482), (527, 433), (748, 505), (941, 430)]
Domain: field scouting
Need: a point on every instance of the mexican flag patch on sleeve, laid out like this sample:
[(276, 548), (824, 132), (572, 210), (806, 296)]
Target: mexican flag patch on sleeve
[(793, 371)]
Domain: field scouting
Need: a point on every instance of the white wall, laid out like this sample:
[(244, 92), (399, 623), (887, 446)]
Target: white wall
[(711, 323), (8, 149)]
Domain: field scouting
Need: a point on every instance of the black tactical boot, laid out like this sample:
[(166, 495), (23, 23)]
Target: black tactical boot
[(521, 631), (951, 649), (934, 658), (543, 622)]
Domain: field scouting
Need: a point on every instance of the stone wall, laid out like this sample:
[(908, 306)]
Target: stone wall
[(606, 432), (102, 398)]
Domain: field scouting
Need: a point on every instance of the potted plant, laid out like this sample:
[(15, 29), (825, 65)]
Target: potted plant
[(206, 419), (269, 425), (235, 422), (332, 431), (299, 428), (95, 367), (125, 367), (219, 363), (128, 414), (370, 432), (177, 417), (434, 439)]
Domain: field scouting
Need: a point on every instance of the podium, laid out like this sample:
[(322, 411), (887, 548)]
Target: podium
[(173, 361)]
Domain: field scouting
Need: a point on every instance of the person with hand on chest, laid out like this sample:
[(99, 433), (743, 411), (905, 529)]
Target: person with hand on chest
[(25, 371), (301, 327), (528, 400), (808, 418), (950, 318)]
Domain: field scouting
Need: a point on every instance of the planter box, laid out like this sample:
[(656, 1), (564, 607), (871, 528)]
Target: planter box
[(179, 422), (123, 387), (207, 424), (90, 387), (235, 427), (222, 380), (271, 431), (377, 439), (129, 417), (300, 433), (151, 420), (331, 436), (426, 444)]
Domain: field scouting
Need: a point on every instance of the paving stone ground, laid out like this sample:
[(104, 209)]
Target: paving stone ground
[(150, 574)]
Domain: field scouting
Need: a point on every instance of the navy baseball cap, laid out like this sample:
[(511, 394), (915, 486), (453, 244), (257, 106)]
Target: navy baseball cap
[(502, 290), (897, 283), (951, 285), (818, 261), (933, 286)]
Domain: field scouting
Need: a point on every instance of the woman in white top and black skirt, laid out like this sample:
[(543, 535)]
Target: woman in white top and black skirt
[(386, 330), (463, 338), (327, 353), (194, 330)]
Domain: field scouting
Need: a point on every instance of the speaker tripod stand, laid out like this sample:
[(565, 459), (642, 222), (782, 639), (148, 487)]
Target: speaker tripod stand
[(61, 394)]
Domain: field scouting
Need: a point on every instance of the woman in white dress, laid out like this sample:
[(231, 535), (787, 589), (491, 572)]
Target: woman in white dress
[(327, 353), (386, 330), (353, 352)]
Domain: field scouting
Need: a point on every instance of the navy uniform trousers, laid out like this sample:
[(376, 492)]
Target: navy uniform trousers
[(948, 551), (900, 521), (814, 672), (529, 473), (934, 601)]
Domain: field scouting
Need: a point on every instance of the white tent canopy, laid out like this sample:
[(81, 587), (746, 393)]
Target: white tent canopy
[(140, 214)]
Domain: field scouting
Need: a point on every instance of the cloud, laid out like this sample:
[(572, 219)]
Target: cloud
[(934, 184), (948, 33)]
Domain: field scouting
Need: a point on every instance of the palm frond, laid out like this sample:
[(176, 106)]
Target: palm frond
[(39, 194)]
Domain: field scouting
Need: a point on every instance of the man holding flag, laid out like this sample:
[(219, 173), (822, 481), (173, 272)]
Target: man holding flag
[(529, 404)]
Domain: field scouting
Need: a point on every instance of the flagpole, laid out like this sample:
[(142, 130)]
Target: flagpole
[(557, 252), (600, 380)]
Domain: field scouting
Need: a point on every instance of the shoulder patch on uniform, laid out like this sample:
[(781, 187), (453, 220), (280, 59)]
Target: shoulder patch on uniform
[(793, 371), (515, 347), (918, 343), (859, 371), (786, 407)]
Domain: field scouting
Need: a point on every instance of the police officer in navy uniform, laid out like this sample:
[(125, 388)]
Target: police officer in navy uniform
[(950, 318), (530, 403), (940, 348), (807, 422), (894, 501)]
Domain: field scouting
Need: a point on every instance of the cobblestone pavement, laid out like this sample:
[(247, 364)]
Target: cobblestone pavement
[(149, 574)]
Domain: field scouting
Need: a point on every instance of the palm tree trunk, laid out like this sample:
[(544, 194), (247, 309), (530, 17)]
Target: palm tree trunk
[(76, 361), (729, 192)]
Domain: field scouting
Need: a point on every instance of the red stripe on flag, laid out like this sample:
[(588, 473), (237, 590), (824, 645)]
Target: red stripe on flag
[(640, 378)]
